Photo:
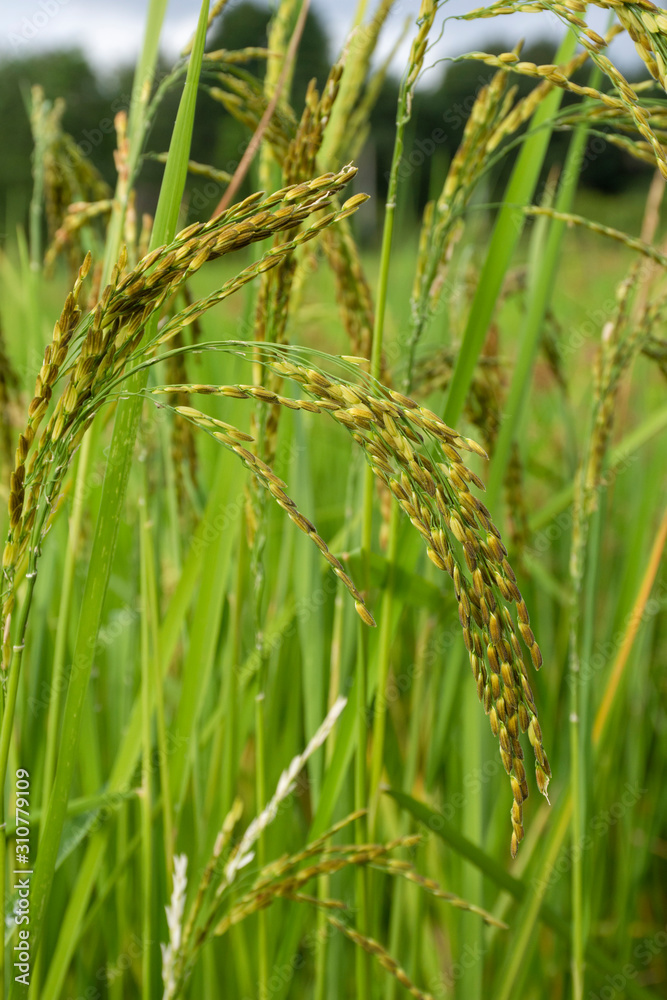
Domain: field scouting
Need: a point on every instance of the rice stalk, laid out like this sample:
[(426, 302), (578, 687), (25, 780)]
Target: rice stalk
[(8, 392), (595, 227), (352, 289), (285, 878), (242, 96)]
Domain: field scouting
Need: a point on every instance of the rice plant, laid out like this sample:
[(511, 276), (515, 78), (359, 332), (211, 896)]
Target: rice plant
[(245, 760)]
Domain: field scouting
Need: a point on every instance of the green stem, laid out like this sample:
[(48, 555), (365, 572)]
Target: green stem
[(146, 715), (260, 789), (163, 751), (380, 716), (60, 647), (470, 985)]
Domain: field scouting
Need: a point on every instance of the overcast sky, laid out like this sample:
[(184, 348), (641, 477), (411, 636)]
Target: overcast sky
[(110, 31)]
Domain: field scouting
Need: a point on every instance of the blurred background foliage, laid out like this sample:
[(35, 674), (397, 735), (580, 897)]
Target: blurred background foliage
[(442, 106)]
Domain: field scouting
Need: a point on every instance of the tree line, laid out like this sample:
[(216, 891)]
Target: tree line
[(92, 100)]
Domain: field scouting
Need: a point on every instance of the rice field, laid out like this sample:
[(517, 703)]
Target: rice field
[(333, 598)]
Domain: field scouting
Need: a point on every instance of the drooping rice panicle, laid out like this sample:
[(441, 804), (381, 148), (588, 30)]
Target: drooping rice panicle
[(594, 44), (65, 177), (97, 356), (417, 456)]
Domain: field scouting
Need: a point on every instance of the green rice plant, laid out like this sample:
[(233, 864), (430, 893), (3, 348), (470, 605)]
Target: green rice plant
[(200, 652)]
